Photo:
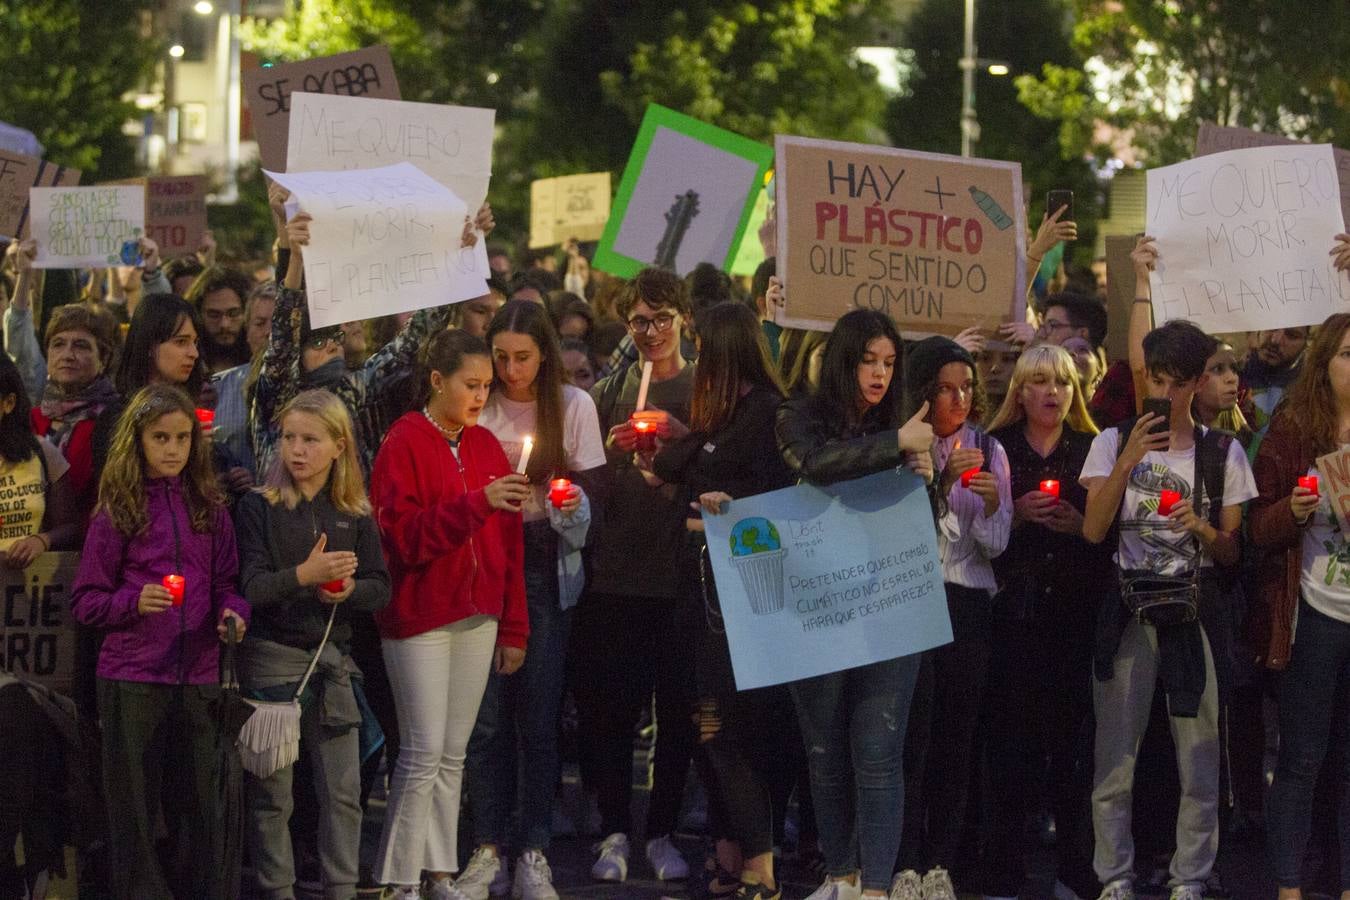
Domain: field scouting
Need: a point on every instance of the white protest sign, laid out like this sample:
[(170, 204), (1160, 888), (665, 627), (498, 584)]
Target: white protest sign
[(85, 227), (1244, 236), (383, 241), (452, 144)]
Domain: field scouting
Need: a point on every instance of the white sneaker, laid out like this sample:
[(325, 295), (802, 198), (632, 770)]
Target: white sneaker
[(937, 885), (444, 889), (1120, 889), (612, 864), (666, 860), (836, 890), (1188, 892), (407, 892), (534, 879), (484, 876), (906, 885)]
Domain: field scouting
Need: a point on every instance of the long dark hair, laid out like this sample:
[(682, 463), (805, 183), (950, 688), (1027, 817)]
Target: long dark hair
[(17, 441), (531, 319), (839, 394), (157, 319), (732, 353), (444, 352)]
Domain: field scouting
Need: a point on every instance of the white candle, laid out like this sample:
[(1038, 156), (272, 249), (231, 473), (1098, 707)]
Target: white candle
[(646, 383), (525, 451)]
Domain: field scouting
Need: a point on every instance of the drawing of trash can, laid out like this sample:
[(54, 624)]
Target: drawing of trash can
[(758, 554)]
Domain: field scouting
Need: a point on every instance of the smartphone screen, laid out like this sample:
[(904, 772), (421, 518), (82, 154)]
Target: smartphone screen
[(1057, 199)]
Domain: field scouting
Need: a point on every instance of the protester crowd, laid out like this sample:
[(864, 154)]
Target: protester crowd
[(434, 529)]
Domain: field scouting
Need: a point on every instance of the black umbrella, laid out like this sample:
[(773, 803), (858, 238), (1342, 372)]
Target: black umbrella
[(231, 714)]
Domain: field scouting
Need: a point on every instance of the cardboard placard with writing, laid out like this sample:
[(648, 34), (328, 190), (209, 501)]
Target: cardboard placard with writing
[(452, 144), (1218, 138), (1333, 470), (86, 227), (1243, 237), (37, 633), (18, 173), (1119, 294), (383, 241), (812, 579), (368, 72), (571, 206), (936, 242), (175, 212)]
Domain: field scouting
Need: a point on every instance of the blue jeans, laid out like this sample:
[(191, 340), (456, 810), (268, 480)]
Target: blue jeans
[(1310, 711), (853, 723), (517, 727)]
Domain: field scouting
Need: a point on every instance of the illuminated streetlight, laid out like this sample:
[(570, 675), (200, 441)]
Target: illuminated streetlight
[(203, 8), (176, 51), (998, 69)]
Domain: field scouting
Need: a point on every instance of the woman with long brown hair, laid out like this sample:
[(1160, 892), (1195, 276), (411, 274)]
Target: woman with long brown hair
[(1307, 587)]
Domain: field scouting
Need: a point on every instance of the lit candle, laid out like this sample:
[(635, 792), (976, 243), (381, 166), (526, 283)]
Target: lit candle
[(1166, 501), (558, 491), (1309, 482), (526, 449), (1051, 487), (175, 584), (646, 383), (334, 587), (967, 475), (207, 417)]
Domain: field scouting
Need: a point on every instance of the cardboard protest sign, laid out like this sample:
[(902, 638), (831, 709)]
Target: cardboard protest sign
[(452, 144), (383, 241), (18, 173), (1119, 294), (685, 196), (936, 242), (1333, 470), (175, 212), (86, 227), (1218, 138), (1243, 237), (361, 73), (812, 580), (37, 635), (573, 206)]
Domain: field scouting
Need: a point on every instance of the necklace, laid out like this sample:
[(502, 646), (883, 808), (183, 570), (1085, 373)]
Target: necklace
[(450, 433)]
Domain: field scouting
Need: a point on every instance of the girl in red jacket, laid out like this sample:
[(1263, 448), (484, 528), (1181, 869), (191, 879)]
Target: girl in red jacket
[(448, 508)]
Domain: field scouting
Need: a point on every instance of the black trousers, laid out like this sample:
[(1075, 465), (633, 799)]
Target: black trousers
[(623, 650), (940, 744), (154, 733)]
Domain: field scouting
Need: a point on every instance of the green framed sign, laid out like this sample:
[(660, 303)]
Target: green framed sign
[(686, 196)]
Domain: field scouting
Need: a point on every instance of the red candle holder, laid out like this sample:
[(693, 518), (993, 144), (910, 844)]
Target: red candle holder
[(646, 423), (1050, 486), (558, 491), (1309, 482), (1167, 500), (207, 417), (175, 585), (334, 587), (967, 475)]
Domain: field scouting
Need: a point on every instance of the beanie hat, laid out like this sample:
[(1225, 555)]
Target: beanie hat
[(924, 360)]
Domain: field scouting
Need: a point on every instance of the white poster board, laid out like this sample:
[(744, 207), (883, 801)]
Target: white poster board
[(383, 241), (452, 144), (1243, 238), (85, 227)]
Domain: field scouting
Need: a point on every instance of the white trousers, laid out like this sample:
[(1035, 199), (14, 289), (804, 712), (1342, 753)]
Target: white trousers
[(438, 679)]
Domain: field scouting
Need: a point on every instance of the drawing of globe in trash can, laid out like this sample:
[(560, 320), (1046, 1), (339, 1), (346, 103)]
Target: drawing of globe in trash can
[(758, 554)]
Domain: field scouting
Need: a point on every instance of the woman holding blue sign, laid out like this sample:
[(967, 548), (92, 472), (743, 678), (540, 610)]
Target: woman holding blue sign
[(854, 721), (731, 452)]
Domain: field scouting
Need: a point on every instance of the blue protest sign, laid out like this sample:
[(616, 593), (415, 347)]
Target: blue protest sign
[(813, 580)]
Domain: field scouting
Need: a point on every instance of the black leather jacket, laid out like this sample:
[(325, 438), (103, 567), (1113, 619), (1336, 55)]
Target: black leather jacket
[(818, 452)]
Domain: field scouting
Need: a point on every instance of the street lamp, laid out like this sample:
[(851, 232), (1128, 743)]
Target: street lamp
[(969, 62)]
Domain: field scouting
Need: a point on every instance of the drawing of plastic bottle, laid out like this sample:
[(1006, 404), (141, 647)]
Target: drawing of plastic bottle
[(989, 206)]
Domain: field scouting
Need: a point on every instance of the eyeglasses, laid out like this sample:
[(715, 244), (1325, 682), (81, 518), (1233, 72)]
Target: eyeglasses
[(319, 341), (641, 324), (217, 315), (1051, 325)]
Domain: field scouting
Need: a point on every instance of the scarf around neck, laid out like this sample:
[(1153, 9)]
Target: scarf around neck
[(67, 409)]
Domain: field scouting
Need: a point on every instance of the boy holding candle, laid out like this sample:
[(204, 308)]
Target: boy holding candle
[(632, 636), (1174, 556)]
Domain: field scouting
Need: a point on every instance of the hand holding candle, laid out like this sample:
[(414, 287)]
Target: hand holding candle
[(1166, 500), (1050, 486), (647, 424), (968, 475), (526, 449), (175, 585), (559, 489), (1309, 483)]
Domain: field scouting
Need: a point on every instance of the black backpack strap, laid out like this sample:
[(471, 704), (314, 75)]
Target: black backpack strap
[(1123, 434), (609, 398), (1211, 461)]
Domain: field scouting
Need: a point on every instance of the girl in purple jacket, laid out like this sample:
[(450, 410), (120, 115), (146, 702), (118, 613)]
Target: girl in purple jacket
[(160, 513)]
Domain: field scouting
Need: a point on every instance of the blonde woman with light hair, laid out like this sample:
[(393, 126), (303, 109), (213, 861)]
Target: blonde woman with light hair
[(1039, 699), (310, 559)]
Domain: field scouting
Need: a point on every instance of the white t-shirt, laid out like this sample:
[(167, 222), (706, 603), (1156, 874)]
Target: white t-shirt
[(511, 421), (1146, 538), (1325, 579)]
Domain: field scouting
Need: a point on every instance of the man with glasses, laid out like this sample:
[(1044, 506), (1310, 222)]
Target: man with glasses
[(218, 293), (632, 636)]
